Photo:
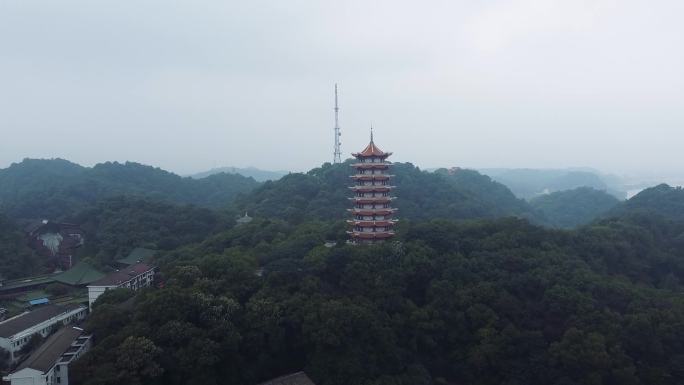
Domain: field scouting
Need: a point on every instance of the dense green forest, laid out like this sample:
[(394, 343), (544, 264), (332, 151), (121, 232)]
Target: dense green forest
[(571, 208), (38, 188), (115, 226), (16, 258), (483, 302), (473, 291), (661, 200)]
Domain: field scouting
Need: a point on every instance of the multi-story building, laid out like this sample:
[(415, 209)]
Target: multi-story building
[(49, 364), (132, 277), (17, 331), (372, 213)]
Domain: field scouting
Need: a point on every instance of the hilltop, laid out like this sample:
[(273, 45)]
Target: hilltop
[(250, 172), (663, 200), (531, 183), (52, 188), (571, 208), (323, 193)]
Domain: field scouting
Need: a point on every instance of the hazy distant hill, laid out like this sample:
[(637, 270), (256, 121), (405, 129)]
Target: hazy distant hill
[(531, 183), (36, 188), (322, 194), (662, 200), (571, 208), (257, 174)]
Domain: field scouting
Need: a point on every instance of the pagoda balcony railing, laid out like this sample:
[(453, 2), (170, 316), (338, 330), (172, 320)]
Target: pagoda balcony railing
[(371, 165), (372, 187), (371, 176), (372, 199), (377, 222), (378, 211)]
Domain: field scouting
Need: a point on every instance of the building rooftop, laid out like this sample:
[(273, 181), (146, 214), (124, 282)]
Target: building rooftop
[(14, 325), (81, 274), (139, 254), (372, 150), (27, 282), (118, 277), (299, 378), (51, 350)]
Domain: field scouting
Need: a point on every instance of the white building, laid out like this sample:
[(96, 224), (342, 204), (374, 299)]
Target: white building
[(16, 332), (132, 277), (49, 364)]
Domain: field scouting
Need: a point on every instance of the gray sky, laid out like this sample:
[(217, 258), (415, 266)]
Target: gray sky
[(196, 84)]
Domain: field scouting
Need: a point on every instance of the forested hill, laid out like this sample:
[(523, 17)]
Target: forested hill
[(16, 259), (479, 303), (571, 208), (37, 188), (323, 194), (662, 200)]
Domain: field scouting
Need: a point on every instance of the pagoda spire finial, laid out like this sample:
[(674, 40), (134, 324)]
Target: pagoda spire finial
[(371, 130)]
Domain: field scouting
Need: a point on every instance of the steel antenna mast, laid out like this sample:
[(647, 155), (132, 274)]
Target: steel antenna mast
[(337, 155)]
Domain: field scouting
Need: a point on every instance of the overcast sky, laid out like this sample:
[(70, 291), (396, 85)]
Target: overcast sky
[(191, 85)]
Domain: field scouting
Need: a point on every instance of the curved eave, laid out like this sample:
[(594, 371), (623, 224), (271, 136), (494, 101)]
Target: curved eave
[(371, 235)]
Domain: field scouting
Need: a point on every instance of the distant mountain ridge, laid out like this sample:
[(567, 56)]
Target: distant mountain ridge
[(253, 172), (572, 208), (532, 183), (37, 188)]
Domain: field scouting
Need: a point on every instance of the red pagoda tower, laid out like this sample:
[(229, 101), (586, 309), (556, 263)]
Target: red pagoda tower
[(372, 215)]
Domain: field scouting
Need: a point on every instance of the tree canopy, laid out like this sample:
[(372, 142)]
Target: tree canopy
[(476, 302)]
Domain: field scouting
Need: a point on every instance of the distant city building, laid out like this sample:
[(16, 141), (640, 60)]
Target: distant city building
[(372, 213), (133, 277), (49, 364), (299, 378), (17, 331), (243, 220)]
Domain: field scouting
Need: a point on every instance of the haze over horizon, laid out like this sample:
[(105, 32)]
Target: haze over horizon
[(187, 86)]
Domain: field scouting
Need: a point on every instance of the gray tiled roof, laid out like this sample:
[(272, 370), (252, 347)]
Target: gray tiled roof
[(24, 321), (123, 275), (51, 350)]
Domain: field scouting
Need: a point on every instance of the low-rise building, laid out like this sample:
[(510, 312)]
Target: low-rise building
[(17, 331), (49, 364), (133, 277)]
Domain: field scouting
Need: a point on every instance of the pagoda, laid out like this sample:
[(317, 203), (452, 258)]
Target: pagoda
[(372, 220)]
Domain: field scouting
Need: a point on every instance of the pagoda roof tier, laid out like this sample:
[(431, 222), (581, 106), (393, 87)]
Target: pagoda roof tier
[(372, 188), (371, 176), (371, 235), (371, 165), (363, 200), (382, 223), (371, 150), (383, 211)]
